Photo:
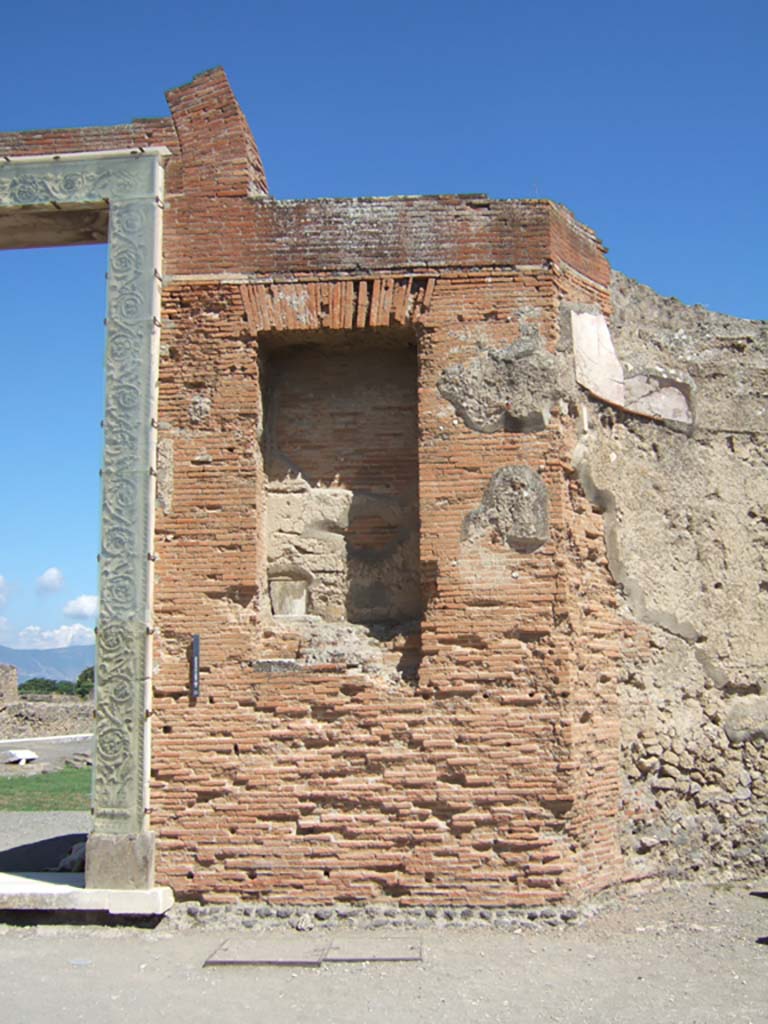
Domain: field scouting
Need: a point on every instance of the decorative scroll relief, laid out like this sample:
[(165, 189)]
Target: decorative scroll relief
[(132, 185), (67, 179)]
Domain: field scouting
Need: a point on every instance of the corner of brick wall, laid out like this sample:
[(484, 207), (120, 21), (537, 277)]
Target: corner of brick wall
[(220, 156)]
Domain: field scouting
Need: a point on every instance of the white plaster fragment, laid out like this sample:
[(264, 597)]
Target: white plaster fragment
[(19, 756), (655, 393), (288, 597), (597, 366), (653, 396)]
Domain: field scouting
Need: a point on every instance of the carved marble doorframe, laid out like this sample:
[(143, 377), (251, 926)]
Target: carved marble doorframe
[(120, 852)]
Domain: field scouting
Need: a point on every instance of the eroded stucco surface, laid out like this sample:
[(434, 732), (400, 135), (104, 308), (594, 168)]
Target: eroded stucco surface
[(686, 515)]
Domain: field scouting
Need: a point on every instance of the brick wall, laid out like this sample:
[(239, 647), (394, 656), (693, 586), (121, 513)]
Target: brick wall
[(312, 767), (492, 778)]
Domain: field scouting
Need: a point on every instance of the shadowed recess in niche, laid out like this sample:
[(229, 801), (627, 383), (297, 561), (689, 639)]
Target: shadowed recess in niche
[(340, 456)]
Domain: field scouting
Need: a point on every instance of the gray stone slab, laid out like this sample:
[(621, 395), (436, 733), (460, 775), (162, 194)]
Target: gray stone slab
[(361, 948), (65, 891), (270, 951)]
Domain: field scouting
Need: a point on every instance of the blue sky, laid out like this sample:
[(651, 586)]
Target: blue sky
[(647, 120)]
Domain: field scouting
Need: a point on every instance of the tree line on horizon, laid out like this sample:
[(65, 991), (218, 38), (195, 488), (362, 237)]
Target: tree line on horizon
[(82, 687)]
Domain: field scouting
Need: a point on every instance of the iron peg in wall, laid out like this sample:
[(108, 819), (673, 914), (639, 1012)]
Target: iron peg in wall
[(194, 667)]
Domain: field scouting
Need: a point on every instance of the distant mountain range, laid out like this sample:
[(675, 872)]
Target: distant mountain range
[(53, 663)]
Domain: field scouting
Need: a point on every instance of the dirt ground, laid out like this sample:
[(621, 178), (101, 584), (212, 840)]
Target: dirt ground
[(687, 954)]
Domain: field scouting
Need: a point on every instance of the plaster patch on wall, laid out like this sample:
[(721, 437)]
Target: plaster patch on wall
[(199, 408), (603, 499), (514, 509), (511, 388)]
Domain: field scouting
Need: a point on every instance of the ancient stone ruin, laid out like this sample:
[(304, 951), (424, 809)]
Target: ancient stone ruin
[(434, 559), (9, 685)]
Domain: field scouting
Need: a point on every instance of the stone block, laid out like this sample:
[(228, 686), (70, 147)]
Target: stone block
[(288, 597), (120, 861), (9, 686), (747, 719)]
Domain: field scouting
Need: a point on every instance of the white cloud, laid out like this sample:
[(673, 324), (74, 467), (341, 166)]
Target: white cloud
[(51, 581), (5, 630), (3, 591), (36, 638), (83, 607)]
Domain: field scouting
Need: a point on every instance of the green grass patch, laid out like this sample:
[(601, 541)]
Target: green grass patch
[(66, 790)]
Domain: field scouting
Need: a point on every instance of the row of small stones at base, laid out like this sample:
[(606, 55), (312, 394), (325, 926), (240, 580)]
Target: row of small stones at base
[(305, 918)]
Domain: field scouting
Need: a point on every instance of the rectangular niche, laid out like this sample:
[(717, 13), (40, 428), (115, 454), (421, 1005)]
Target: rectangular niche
[(341, 469)]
